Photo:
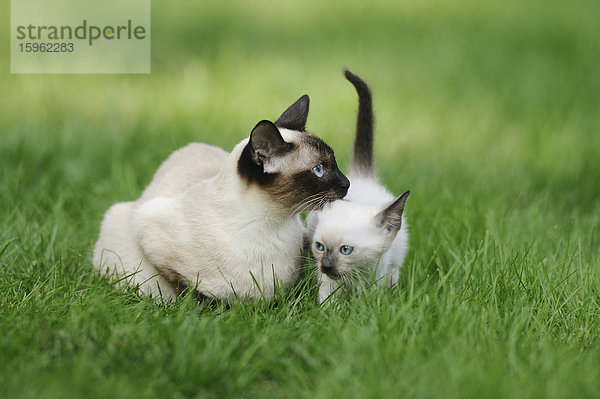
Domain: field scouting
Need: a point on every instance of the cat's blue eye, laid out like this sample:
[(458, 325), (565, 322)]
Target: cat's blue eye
[(346, 249), (319, 170), (319, 247)]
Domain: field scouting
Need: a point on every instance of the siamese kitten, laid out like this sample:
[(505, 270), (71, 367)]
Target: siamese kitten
[(364, 235), (225, 223)]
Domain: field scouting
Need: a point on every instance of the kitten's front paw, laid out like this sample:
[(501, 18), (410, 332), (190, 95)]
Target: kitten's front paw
[(327, 289)]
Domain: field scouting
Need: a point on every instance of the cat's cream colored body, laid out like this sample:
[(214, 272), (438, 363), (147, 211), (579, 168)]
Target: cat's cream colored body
[(199, 219)]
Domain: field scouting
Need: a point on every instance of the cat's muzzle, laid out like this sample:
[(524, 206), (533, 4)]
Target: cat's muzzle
[(342, 185), (330, 272), (328, 265)]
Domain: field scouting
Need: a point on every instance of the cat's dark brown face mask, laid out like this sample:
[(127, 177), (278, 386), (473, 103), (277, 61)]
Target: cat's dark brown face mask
[(299, 170)]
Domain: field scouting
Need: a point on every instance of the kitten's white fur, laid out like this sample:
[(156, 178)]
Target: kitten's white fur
[(189, 220), (352, 222), (369, 219)]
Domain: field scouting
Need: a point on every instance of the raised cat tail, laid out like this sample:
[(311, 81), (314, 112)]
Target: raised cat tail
[(362, 155)]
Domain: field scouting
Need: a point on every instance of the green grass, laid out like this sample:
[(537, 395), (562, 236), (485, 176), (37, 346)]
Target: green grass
[(487, 113)]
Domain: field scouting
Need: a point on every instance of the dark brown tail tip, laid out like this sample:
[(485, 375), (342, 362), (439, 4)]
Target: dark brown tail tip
[(356, 80)]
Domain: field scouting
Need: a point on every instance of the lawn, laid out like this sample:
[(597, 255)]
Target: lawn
[(488, 113)]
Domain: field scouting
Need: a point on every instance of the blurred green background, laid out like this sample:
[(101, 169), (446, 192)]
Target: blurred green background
[(488, 111)]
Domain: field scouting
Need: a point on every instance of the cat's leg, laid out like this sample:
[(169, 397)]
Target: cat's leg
[(390, 270), (327, 288), (393, 276), (118, 254), (115, 251), (158, 230)]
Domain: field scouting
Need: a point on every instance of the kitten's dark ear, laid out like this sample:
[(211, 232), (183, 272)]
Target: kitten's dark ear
[(266, 141), (390, 219), (294, 118)]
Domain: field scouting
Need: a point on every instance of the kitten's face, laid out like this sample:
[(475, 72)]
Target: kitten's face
[(297, 169), (347, 240)]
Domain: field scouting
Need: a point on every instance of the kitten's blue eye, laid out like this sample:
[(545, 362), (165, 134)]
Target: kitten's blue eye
[(319, 170), (346, 249), (319, 247)]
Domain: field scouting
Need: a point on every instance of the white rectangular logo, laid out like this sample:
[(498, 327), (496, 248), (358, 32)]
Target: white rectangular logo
[(80, 36)]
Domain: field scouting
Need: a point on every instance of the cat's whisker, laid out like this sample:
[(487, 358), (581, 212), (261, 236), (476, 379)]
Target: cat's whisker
[(303, 258), (306, 203), (315, 198), (323, 201), (297, 208), (320, 202), (302, 205)]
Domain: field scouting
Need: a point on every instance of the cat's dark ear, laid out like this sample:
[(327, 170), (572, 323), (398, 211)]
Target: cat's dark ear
[(294, 118), (390, 219), (266, 142)]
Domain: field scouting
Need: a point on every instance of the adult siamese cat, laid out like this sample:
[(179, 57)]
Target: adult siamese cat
[(224, 223), (364, 235)]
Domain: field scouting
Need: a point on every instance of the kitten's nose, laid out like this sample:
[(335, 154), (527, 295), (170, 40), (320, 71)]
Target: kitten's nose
[(327, 269), (328, 265)]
